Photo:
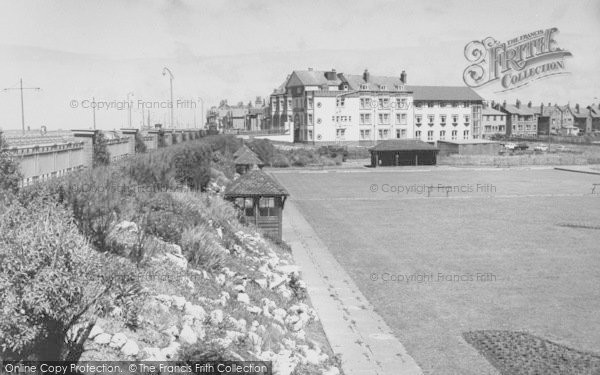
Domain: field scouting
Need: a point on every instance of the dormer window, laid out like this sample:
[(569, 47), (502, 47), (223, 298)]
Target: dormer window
[(364, 87), (383, 88), (345, 87)]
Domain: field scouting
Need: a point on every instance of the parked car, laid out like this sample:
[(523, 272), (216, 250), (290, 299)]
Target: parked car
[(541, 147), (562, 148), (521, 146), (510, 146)]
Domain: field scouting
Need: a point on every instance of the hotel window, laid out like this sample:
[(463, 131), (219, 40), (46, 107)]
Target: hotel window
[(454, 135), (418, 134), (289, 103), (384, 103), (454, 120), (365, 103), (443, 119), (494, 118), (365, 134), (401, 118), (364, 87), (430, 104), (418, 118), (365, 118), (442, 135), (289, 118), (418, 105), (332, 118), (430, 135), (467, 118), (397, 133), (384, 118), (454, 104), (310, 119), (384, 133), (430, 118), (402, 133), (310, 103), (401, 103), (340, 102), (310, 135), (340, 133), (466, 134)]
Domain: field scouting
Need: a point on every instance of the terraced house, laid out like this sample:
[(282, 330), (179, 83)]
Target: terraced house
[(521, 120), (331, 107), (493, 123)]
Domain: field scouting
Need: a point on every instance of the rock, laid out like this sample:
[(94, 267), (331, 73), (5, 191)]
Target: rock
[(331, 371), (220, 279), (128, 226), (262, 283), (178, 302), (95, 331), (276, 280), (254, 309), (279, 314), (173, 331), (130, 348), (216, 317), (179, 261), (239, 288), (312, 357), (243, 298), (196, 311), (300, 335), (118, 340), (170, 352), (102, 338), (187, 335), (285, 292), (174, 249), (220, 232), (153, 354)]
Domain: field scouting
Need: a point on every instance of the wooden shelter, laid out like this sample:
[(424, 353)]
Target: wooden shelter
[(246, 160), (395, 152), (260, 199)]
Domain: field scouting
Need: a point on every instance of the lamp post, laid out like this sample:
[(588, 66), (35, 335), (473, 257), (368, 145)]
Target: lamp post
[(129, 106), (171, 77), (201, 113)]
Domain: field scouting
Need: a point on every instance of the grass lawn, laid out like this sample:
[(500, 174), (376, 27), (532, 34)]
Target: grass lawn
[(542, 277)]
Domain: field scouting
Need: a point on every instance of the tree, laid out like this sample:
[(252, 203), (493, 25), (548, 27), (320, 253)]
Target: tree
[(140, 145), (10, 176), (101, 156)]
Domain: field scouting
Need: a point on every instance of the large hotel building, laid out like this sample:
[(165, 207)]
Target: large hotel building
[(330, 107)]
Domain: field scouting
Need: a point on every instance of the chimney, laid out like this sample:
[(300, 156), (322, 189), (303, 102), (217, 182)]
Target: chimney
[(541, 109), (331, 76), (403, 77), (366, 76), (504, 104), (577, 107), (529, 104), (518, 103)]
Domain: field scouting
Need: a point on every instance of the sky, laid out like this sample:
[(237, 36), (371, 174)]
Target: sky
[(76, 50)]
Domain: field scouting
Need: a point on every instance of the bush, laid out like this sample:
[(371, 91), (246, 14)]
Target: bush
[(101, 156), (225, 144), (280, 161), (166, 218), (264, 149), (48, 282)]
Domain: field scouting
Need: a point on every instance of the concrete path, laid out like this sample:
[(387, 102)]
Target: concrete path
[(354, 330)]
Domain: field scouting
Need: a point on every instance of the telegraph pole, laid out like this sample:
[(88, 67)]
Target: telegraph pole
[(21, 88)]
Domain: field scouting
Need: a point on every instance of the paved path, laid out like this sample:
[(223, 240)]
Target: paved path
[(354, 330)]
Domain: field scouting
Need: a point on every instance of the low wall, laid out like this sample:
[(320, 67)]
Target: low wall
[(43, 162)]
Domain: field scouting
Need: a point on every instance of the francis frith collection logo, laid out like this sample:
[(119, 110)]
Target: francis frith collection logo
[(514, 63)]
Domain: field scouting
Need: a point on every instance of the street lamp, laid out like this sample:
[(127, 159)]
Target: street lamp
[(171, 77), (129, 106), (202, 112)]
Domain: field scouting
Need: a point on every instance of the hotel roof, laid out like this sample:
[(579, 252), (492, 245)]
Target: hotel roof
[(312, 78), (523, 110), (444, 93)]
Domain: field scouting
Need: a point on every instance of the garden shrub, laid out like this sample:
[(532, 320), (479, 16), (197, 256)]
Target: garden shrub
[(200, 246), (225, 144), (48, 282), (10, 176)]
